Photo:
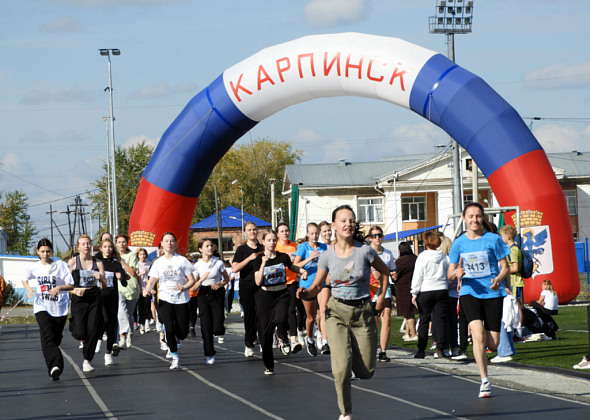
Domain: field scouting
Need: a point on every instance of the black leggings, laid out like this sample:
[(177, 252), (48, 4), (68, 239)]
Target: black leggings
[(248, 290), (51, 333), (110, 308), (296, 319), (175, 318), (86, 323), (211, 308), (144, 306), (193, 307)]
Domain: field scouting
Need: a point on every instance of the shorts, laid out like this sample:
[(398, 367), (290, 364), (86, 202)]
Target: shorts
[(518, 292), (386, 304), (487, 310)]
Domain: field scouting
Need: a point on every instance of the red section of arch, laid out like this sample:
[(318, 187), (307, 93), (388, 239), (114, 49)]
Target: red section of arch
[(529, 181), (158, 211)]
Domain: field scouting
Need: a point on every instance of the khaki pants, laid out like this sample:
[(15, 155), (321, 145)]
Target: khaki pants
[(352, 333)]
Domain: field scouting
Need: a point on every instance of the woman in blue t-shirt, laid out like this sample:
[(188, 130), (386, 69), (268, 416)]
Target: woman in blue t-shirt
[(307, 255), (475, 257)]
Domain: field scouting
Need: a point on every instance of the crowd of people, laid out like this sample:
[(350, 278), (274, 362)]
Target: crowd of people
[(328, 293)]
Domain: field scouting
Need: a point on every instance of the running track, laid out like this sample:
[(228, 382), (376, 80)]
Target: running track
[(141, 386)]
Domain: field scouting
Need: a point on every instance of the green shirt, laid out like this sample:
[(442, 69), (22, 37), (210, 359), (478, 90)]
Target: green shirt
[(515, 257), (131, 291)]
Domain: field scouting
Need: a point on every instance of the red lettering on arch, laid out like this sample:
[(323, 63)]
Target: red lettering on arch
[(399, 74), (380, 79), (310, 55), (238, 87), (280, 69), (358, 66), (266, 77), (327, 68)]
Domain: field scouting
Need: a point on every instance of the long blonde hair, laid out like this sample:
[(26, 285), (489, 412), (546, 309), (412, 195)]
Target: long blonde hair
[(549, 285)]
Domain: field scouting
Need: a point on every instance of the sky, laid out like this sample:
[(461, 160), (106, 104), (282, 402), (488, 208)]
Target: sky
[(534, 53)]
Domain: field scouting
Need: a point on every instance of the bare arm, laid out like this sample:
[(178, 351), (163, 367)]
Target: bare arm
[(315, 288)]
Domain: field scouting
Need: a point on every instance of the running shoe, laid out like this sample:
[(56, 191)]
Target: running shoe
[(141, 329), (460, 356), (97, 349), (221, 339), (129, 342), (584, 364), (210, 360), (123, 343), (347, 416), (168, 354), (87, 367), (485, 390), (193, 332), (116, 350), (275, 343), (55, 372), (175, 363), (501, 359), (311, 349), (296, 347), (383, 357), (440, 354), (326, 349), (268, 371), (419, 355), (147, 328), (135, 326), (81, 346), (429, 333), (414, 338), (158, 326), (405, 337), (433, 345), (104, 337), (108, 359), (301, 338), (248, 352), (163, 346), (152, 322), (285, 348)]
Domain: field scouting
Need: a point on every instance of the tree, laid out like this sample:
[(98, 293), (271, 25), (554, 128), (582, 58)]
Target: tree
[(16, 222), (252, 164), (130, 164)]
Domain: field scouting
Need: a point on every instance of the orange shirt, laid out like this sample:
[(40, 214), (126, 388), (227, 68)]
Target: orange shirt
[(289, 248)]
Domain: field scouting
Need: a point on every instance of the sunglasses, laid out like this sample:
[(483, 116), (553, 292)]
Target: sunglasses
[(377, 235)]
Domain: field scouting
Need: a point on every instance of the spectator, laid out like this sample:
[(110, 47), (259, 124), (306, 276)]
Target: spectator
[(403, 281)]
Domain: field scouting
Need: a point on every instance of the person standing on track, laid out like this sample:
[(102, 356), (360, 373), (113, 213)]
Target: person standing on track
[(474, 260), (129, 294), (51, 303), (174, 275), (350, 320), (86, 323), (243, 263), (272, 300)]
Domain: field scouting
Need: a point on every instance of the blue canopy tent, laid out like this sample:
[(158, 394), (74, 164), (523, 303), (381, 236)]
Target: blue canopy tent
[(407, 233), (231, 217)]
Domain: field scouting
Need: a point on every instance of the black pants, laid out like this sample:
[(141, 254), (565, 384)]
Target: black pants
[(110, 308), (144, 306), (452, 321), (247, 292), (193, 306), (211, 312), (230, 296), (51, 332), (86, 323), (297, 314), (175, 318), (463, 330), (432, 305), (273, 310)]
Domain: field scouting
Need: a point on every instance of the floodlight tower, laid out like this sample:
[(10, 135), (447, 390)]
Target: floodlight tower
[(454, 17)]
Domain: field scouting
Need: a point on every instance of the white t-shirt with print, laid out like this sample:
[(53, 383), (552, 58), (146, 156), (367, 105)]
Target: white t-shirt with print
[(172, 272), (47, 277), (215, 268), (551, 302)]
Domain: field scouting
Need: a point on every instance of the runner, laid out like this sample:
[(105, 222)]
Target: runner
[(243, 264), (350, 322), (307, 256), (272, 300), (86, 323), (212, 280), (174, 275), (481, 296), (129, 294), (114, 274), (51, 303), (324, 295), (144, 304)]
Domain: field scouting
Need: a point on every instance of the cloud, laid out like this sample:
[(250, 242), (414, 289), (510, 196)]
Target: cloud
[(77, 94), (72, 136), (103, 4), (328, 13), (133, 140), (35, 137), (306, 136), (162, 90), (559, 138), (558, 76), (62, 24)]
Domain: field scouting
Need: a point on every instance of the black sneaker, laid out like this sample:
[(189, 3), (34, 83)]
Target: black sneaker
[(461, 356), (326, 349), (116, 350), (383, 357), (285, 348), (311, 349), (268, 371), (419, 355), (193, 333), (55, 372)]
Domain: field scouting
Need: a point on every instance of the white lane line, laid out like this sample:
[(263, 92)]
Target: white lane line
[(90, 388), (217, 387)]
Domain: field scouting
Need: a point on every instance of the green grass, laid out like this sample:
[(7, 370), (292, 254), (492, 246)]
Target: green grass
[(563, 353)]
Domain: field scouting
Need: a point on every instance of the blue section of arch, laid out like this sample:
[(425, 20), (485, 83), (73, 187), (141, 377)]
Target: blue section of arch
[(471, 112), (195, 142)]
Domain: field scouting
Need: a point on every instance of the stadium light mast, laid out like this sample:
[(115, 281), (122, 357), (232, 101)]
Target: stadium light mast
[(455, 17)]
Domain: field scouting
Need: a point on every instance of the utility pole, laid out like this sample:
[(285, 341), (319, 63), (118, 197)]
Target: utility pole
[(217, 215), (71, 243), (272, 204), (50, 212)]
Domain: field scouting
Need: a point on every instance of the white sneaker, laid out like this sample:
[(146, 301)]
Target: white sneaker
[(81, 346), (151, 321), (175, 362), (301, 338), (123, 343), (141, 331), (211, 360), (97, 349), (158, 326), (221, 339), (147, 328), (129, 342), (169, 354), (249, 352), (501, 359), (163, 346), (108, 359), (584, 364), (347, 416), (87, 367), (104, 337)]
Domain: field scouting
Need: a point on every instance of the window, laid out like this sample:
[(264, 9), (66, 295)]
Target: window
[(370, 210), (570, 198), (413, 209)]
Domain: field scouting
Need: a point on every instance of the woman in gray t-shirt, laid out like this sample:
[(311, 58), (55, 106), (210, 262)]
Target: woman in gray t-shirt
[(349, 315)]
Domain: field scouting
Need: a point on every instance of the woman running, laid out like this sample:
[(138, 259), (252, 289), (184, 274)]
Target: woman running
[(86, 323), (243, 264), (324, 295), (474, 261), (174, 275), (272, 300), (129, 294), (144, 304), (307, 256), (350, 321), (51, 303), (114, 274), (211, 297), (376, 239)]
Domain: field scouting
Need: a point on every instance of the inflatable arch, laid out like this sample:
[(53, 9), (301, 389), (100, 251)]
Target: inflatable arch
[(370, 66)]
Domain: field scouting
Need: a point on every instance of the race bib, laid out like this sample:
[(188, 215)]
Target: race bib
[(87, 278), (274, 275), (476, 264), (110, 277)]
